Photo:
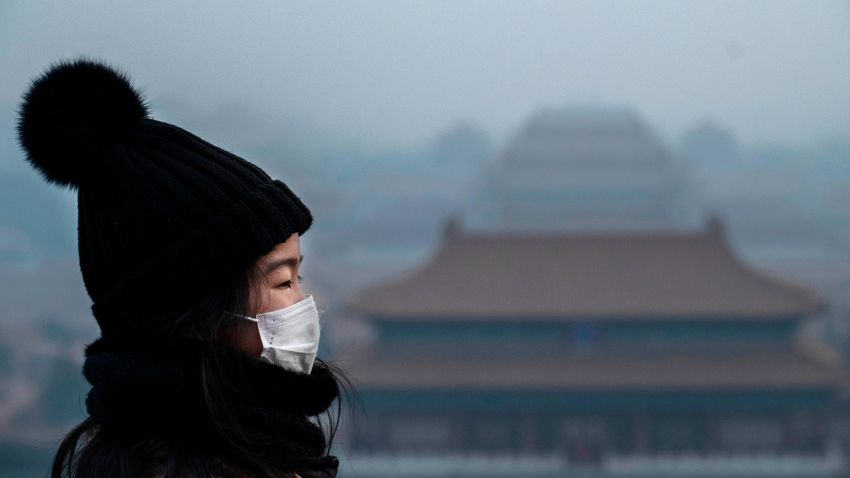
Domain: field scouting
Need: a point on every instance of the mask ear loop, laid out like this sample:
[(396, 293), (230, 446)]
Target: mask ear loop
[(256, 321), (240, 316)]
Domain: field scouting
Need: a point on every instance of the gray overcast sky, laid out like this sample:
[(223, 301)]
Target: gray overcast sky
[(393, 73)]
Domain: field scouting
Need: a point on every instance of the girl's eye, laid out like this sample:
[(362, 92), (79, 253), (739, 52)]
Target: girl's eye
[(288, 284)]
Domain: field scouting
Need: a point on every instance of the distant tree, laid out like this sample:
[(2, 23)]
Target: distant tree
[(5, 360), (62, 397)]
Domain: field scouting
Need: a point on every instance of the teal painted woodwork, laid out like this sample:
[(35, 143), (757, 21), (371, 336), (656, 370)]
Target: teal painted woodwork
[(586, 332)]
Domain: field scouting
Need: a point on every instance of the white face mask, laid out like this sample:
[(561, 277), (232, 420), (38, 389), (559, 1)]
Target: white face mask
[(290, 335)]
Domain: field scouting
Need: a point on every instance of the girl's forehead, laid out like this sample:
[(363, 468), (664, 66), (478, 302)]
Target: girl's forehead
[(285, 254)]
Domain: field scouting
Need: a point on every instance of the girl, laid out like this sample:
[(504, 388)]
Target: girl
[(205, 365)]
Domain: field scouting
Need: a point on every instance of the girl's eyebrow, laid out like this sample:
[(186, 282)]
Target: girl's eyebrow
[(292, 262)]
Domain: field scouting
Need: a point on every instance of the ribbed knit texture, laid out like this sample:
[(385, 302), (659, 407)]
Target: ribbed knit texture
[(176, 219)]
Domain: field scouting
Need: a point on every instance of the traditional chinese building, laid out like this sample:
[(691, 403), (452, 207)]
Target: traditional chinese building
[(591, 345), (576, 169)]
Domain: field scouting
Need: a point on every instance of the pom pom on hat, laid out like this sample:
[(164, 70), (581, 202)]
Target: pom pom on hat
[(69, 111)]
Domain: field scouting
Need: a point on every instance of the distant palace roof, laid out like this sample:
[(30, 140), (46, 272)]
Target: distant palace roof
[(685, 275)]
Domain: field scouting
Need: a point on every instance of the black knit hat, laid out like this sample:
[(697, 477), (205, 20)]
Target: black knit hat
[(164, 217)]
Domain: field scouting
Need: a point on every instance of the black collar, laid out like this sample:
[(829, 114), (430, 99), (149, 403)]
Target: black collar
[(158, 389)]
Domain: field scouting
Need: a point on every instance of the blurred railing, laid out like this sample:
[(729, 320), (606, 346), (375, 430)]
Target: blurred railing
[(638, 466)]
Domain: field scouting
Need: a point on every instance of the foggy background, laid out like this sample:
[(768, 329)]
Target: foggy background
[(390, 117)]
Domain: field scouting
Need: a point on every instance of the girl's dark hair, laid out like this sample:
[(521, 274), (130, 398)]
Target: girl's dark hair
[(89, 450)]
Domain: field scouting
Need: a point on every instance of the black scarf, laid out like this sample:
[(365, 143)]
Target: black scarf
[(157, 391)]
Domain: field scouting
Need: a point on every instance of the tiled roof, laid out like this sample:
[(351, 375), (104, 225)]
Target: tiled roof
[(680, 275)]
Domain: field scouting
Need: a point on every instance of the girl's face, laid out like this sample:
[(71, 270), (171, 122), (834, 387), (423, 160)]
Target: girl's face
[(281, 289)]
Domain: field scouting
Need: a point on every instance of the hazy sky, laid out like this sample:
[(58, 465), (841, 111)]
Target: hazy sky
[(393, 73)]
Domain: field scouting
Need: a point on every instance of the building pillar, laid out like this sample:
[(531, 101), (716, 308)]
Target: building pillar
[(640, 434), (528, 434), (460, 425), (789, 434)]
